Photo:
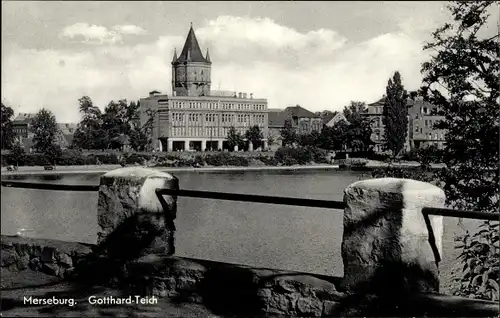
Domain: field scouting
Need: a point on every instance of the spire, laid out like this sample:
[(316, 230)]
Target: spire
[(175, 55), (191, 51), (207, 56)]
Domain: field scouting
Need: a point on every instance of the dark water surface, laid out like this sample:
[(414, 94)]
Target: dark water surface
[(285, 237)]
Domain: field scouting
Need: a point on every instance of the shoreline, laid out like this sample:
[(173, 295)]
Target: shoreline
[(101, 169), (94, 169)]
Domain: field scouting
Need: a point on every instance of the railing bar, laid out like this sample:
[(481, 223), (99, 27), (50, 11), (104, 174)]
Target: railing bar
[(48, 186), (462, 214), (313, 203), (251, 198)]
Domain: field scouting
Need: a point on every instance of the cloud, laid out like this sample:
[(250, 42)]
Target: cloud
[(318, 69), (91, 33), (129, 29), (95, 34)]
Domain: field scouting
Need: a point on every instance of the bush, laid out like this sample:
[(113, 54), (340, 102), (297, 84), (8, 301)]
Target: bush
[(478, 273), (71, 157), (356, 162), (292, 156), (226, 159), (405, 173), (319, 155)]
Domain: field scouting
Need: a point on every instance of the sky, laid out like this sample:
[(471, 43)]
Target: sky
[(320, 55)]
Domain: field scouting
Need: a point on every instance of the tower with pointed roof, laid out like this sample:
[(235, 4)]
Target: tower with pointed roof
[(191, 71)]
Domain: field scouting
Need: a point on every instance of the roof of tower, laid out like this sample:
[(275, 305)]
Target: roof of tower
[(207, 56), (175, 55), (191, 51)]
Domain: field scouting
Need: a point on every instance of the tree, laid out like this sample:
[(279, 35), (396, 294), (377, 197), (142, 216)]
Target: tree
[(89, 133), (255, 136), (45, 129), (354, 110), (17, 153), (357, 131), (461, 78), (234, 139), (113, 124), (8, 135), (395, 115), (140, 136), (288, 134), (310, 140)]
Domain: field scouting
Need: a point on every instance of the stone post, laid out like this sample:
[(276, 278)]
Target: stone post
[(220, 144), (204, 145), (387, 247), (132, 219), (170, 145)]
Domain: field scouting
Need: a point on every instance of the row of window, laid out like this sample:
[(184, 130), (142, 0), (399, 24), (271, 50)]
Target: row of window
[(225, 118), (205, 131), (429, 136), (218, 105), (304, 126)]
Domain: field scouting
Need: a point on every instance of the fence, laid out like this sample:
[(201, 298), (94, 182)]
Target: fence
[(473, 307), (313, 203)]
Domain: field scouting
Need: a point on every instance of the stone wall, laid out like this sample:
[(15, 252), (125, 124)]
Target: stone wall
[(52, 257), (226, 287)]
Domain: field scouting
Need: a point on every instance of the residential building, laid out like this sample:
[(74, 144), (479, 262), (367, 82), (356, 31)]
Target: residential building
[(22, 124), (194, 117), (421, 119), (333, 119), (303, 120)]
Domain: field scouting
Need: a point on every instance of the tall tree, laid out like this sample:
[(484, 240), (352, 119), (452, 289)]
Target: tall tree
[(45, 134), (357, 131), (89, 133), (8, 135), (461, 78), (17, 153), (255, 136), (288, 134), (140, 136), (395, 115), (234, 139)]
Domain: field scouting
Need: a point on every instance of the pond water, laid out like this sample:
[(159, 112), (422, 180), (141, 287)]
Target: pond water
[(285, 237)]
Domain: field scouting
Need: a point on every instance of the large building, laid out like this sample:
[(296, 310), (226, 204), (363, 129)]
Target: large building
[(421, 119), (194, 117)]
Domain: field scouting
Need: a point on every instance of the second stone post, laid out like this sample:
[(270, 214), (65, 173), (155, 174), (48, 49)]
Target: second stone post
[(387, 247), (133, 222)]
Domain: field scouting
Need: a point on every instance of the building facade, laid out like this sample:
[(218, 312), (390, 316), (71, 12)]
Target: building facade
[(23, 130), (421, 119), (303, 120), (22, 126), (194, 117)]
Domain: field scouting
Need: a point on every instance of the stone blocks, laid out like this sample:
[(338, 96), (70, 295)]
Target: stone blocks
[(386, 247), (52, 257), (133, 220)]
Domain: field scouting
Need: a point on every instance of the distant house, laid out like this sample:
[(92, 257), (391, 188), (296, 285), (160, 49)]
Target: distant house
[(23, 129), (421, 119), (333, 119), (22, 125), (303, 120)]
